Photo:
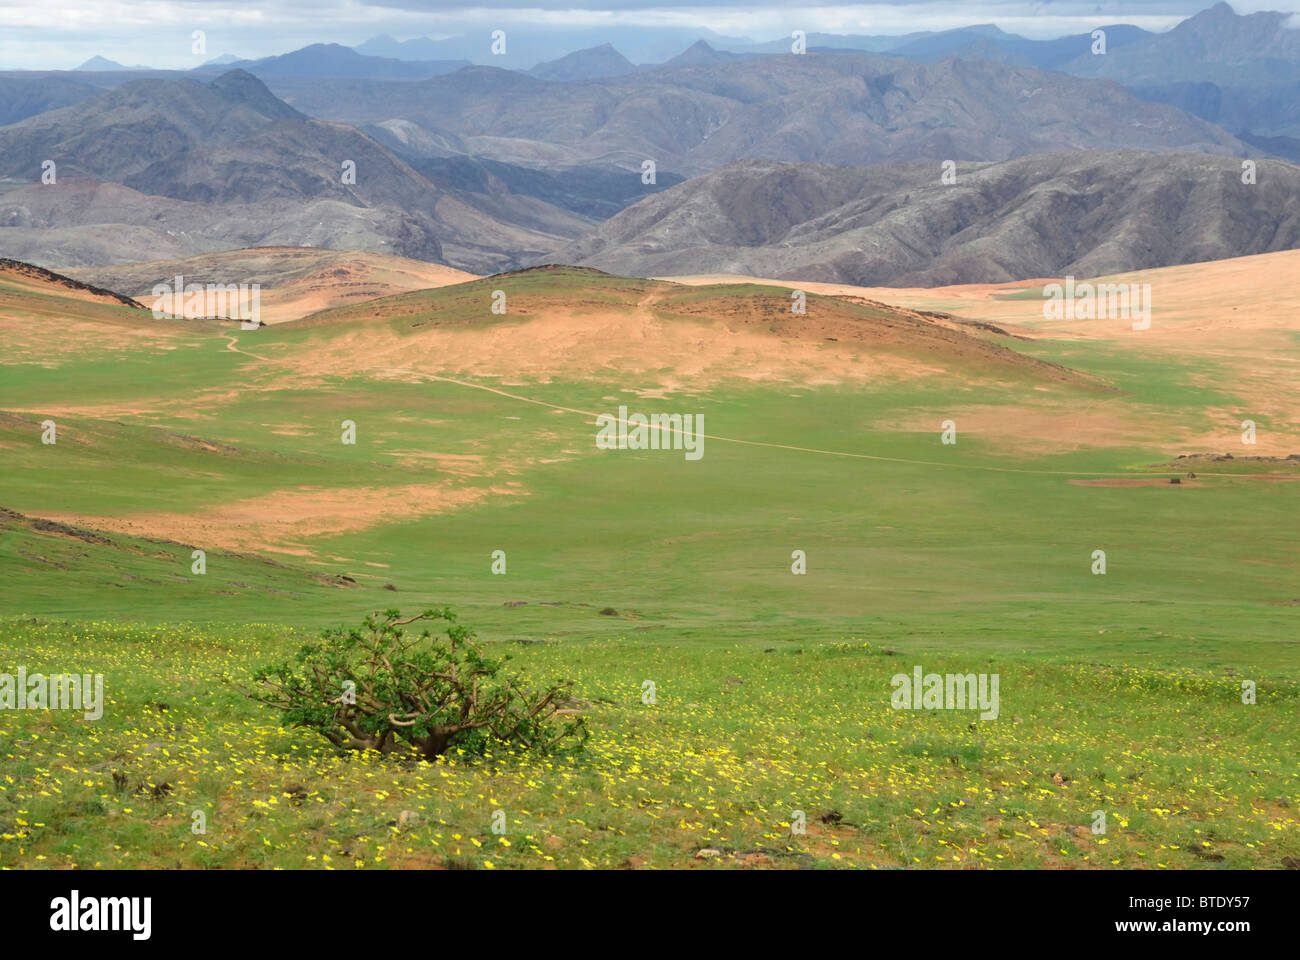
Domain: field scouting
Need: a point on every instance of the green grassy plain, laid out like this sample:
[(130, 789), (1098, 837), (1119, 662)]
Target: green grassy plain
[(1120, 693)]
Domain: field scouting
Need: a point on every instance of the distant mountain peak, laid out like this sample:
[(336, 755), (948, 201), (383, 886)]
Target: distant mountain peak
[(102, 63), (240, 86), (594, 63), (336, 61), (699, 53), (1223, 13)]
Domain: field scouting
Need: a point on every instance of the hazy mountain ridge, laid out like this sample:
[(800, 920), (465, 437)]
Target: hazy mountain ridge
[(595, 63), (21, 97), (1216, 45), (843, 108), (335, 60), (1247, 56), (1084, 213), (251, 170), (488, 168)]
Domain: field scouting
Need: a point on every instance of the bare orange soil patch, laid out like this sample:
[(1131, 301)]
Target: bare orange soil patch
[(1222, 304), (976, 301), (285, 521), (1022, 430), (1242, 315), (629, 344), (36, 280), (295, 281), (41, 322), (660, 342), (1256, 293), (470, 465)]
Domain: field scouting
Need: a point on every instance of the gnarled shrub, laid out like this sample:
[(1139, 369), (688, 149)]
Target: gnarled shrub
[(381, 687)]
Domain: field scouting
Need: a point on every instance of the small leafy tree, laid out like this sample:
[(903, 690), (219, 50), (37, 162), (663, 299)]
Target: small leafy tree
[(378, 686)]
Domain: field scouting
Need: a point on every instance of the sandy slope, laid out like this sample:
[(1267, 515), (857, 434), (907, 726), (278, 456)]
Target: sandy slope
[(1190, 301), (1242, 313), (295, 281)]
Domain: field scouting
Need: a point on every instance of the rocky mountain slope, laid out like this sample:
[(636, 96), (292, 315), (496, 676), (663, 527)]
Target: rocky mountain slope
[(1085, 213), (158, 169), (842, 108)]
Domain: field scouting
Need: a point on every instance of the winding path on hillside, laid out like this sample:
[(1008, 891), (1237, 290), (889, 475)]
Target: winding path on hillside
[(231, 342)]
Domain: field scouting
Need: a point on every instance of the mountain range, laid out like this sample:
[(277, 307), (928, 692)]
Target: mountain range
[(335, 60), (1238, 71), (163, 168), (727, 156), (1080, 212), (842, 108)]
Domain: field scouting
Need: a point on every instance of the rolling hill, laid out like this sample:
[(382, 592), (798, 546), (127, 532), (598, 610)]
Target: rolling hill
[(562, 321), (295, 281), (822, 442)]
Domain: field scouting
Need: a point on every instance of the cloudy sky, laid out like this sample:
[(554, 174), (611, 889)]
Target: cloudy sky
[(60, 34)]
